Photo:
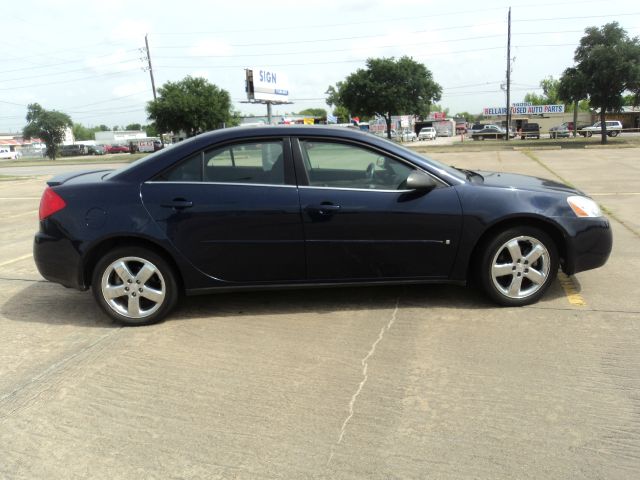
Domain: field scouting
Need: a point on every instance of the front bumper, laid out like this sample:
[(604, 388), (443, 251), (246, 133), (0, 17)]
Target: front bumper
[(589, 243)]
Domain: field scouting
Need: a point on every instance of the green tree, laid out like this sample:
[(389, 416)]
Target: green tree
[(48, 125), (314, 112), (387, 87), (192, 105), (469, 117), (133, 126), (80, 132), (607, 66), (342, 114)]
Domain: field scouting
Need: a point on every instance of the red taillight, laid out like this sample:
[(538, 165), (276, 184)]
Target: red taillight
[(50, 203)]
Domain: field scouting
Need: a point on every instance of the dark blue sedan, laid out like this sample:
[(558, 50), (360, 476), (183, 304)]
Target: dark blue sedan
[(247, 208)]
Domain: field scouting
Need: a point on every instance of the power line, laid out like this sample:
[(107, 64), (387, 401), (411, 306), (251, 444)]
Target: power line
[(83, 69), (57, 64), (384, 20), (112, 74)]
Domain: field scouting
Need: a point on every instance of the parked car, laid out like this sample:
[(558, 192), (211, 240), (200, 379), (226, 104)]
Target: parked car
[(489, 131), (306, 206), (6, 153), (476, 127), (427, 133), (404, 135), (96, 150), (117, 149), (563, 130), (73, 150), (613, 127), (530, 130)]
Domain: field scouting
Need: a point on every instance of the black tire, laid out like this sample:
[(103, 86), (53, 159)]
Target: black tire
[(588, 134), (511, 283), (614, 133), (143, 293)]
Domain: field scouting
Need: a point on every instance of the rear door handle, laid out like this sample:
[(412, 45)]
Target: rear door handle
[(178, 204)]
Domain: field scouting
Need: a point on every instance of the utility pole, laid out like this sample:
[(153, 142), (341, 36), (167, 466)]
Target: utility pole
[(509, 74), (153, 83)]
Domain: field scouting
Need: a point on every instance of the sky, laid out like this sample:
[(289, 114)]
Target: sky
[(86, 58)]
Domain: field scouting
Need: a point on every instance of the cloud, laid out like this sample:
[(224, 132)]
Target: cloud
[(132, 88), (211, 47), (129, 29), (118, 61)]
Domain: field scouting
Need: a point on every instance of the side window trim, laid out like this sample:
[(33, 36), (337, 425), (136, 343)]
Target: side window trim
[(303, 177), (288, 169)]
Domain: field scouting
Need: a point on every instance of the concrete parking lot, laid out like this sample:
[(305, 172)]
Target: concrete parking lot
[(387, 382)]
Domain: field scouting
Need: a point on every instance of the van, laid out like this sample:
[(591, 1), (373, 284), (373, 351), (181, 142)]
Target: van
[(73, 150)]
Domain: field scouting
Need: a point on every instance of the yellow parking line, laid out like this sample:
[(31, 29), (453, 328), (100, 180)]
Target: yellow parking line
[(8, 262), (571, 290)]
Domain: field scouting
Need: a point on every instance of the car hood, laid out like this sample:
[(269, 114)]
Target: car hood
[(524, 182)]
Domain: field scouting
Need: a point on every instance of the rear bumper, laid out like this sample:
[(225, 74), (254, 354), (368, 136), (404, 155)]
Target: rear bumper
[(58, 261)]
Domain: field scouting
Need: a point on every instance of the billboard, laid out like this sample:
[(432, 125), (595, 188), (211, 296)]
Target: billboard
[(266, 84), (523, 109)]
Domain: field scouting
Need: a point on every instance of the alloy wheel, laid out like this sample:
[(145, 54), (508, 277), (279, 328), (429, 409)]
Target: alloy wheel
[(520, 267), (133, 287)]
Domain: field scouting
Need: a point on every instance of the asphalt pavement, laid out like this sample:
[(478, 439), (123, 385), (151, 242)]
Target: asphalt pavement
[(386, 382)]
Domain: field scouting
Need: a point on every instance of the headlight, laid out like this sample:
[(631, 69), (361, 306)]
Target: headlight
[(584, 207)]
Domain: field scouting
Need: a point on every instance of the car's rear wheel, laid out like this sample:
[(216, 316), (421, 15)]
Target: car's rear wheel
[(518, 265), (614, 133), (588, 134), (134, 286)]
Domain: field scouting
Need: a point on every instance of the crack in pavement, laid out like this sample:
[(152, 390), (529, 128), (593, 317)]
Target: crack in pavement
[(365, 366), (42, 377)]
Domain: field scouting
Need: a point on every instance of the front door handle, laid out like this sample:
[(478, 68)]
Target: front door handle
[(178, 204), (323, 209)]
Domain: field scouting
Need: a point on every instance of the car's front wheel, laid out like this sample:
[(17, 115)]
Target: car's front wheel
[(134, 286), (518, 265)]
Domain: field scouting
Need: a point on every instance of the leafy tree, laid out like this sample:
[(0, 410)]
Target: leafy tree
[(151, 130), (607, 66), (103, 128), (633, 99), (314, 112), (469, 117), (551, 96), (133, 126), (342, 114), (192, 105), (387, 87), (80, 132), (48, 125)]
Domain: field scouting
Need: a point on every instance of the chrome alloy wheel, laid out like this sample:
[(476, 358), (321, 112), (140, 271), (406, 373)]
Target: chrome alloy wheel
[(133, 287), (520, 267)]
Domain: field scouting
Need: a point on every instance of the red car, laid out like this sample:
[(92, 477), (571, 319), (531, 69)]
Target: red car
[(117, 149)]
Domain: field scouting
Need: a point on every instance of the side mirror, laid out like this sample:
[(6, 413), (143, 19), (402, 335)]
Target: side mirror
[(420, 181)]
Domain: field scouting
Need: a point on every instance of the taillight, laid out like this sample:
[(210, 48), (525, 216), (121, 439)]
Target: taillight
[(50, 203)]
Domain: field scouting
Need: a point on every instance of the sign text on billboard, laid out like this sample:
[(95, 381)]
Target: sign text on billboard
[(523, 110)]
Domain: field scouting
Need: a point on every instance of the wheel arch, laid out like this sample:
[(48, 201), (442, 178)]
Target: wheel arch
[(551, 229), (97, 251)]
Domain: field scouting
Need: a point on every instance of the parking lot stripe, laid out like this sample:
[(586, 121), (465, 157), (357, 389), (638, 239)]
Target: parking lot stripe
[(9, 262), (571, 290), (614, 194), (19, 198), (23, 214)]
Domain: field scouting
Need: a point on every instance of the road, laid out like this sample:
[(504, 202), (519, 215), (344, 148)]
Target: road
[(387, 382)]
